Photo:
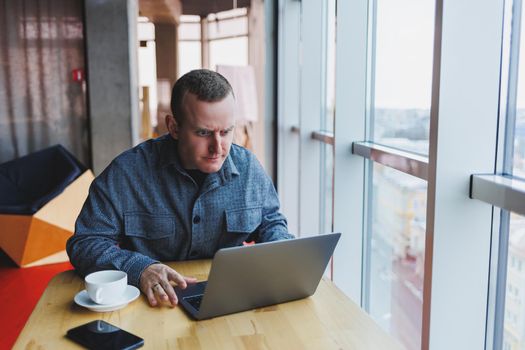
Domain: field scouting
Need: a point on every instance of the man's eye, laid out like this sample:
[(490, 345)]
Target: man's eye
[(225, 132), (203, 133)]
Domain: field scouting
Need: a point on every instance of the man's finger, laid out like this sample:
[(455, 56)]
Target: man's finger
[(190, 280), (168, 289), (151, 297), (158, 289), (177, 278)]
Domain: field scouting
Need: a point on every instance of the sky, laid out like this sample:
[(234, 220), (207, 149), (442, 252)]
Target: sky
[(404, 48)]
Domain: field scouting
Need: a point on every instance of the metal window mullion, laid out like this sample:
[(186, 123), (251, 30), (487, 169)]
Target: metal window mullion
[(310, 116), (500, 191), (322, 117), (512, 96), (323, 136), (498, 278), (225, 19), (322, 114), (371, 71), (404, 161), (369, 165), (288, 109), (431, 179), (349, 170), (189, 40), (465, 82), (205, 46), (232, 36)]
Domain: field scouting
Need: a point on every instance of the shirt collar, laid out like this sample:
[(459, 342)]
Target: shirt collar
[(168, 152)]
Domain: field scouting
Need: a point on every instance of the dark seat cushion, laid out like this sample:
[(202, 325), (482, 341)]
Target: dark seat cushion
[(29, 182)]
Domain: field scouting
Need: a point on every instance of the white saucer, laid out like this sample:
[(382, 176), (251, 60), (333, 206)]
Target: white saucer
[(82, 299)]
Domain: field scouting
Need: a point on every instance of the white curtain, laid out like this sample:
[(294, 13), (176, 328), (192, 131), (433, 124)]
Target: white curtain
[(41, 43)]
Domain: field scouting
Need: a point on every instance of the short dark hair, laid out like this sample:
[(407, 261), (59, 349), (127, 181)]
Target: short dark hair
[(208, 85)]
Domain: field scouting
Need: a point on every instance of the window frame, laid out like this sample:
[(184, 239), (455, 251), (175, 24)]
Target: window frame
[(465, 93)]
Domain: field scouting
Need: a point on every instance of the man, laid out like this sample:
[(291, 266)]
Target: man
[(181, 196)]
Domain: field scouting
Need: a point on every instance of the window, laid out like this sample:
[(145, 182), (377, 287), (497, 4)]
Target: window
[(417, 94), (396, 253), (505, 190), (224, 33), (189, 45), (512, 227), (327, 123), (402, 73), (516, 111), (400, 79), (221, 49), (227, 34)]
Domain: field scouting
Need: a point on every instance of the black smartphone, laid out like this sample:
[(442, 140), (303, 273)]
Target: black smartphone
[(102, 335)]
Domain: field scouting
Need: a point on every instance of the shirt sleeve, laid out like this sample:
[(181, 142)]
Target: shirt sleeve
[(273, 226), (98, 233)]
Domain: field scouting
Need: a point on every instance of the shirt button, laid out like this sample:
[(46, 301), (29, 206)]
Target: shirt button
[(196, 219)]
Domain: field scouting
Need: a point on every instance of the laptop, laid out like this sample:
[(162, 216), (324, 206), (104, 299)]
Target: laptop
[(249, 277)]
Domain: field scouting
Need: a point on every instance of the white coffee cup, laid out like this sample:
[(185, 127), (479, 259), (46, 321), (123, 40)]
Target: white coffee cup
[(106, 287)]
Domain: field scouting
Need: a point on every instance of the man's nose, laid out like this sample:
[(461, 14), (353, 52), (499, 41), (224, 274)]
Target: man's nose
[(215, 145)]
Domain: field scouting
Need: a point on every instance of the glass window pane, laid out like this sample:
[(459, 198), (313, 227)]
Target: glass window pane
[(327, 195), (519, 144), (514, 316), (396, 253), (229, 51), (189, 31), (328, 123), (228, 27), (402, 71), (230, 13), (190, 18), (519, 131), (189, 56)]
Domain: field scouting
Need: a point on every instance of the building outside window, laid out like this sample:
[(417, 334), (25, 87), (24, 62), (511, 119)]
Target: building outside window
[(402, 73), (397, 247), (400, 78)]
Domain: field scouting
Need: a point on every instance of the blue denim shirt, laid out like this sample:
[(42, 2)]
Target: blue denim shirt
[(145, 208)]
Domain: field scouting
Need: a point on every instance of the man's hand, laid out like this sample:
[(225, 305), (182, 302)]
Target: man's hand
[(155, 283)]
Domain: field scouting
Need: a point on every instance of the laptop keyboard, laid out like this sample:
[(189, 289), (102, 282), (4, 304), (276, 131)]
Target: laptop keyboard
[(195, 301)]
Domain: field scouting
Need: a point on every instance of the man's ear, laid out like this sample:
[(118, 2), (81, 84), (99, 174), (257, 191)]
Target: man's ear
[(173, 127)]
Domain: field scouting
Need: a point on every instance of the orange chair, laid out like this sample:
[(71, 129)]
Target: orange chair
[(41, 196)]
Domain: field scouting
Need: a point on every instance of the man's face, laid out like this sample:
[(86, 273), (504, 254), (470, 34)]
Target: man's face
[(206, 133)]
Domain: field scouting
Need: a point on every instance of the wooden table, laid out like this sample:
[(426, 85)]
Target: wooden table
[(326, 320)]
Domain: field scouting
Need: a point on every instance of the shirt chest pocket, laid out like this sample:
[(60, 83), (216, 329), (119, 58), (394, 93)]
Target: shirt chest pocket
[(149, 227), (245, 220)]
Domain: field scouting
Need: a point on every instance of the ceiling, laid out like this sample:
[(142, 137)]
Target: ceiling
[(168, 11)]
